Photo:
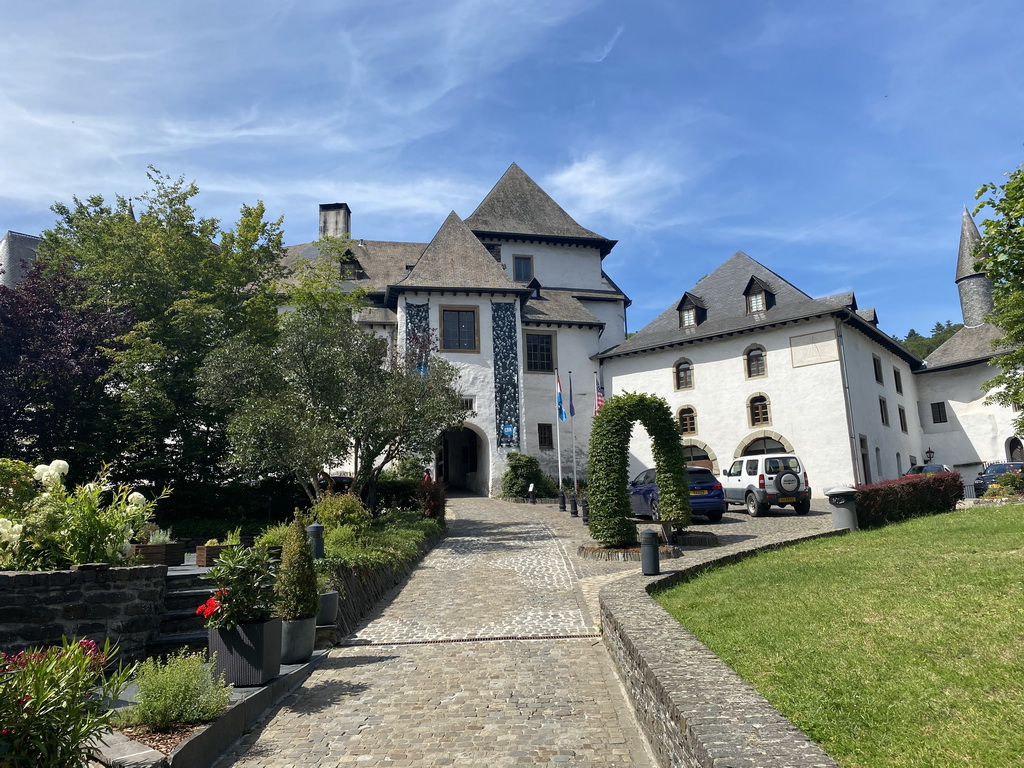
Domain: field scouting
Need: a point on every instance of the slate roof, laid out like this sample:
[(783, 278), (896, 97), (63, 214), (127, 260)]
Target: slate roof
[(967, 346), (455, 258), (559, 305), (721, 292), (969, 238), (384, 263), (518, 206)]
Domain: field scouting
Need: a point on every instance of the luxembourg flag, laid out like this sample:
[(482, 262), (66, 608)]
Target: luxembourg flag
[(558, 398)]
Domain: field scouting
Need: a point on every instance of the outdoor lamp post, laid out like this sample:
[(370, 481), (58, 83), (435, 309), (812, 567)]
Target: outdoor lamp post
[(929, 455)]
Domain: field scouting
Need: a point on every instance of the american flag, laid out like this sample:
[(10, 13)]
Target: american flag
[(598, 395)]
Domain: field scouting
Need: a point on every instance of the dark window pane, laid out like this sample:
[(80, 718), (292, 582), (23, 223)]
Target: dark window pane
[(540, 352)]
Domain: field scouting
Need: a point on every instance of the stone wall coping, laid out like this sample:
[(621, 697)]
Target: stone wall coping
[(693, 708)]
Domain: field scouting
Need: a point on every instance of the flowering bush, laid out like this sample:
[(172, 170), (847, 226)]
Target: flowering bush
[(244, 578), (93, 523), (54, 701)]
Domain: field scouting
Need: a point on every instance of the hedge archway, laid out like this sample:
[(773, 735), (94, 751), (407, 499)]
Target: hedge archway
[(608, 466)]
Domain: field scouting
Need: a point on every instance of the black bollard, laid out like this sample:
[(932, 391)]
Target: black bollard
[(316, 539), (573, 509), (649, 553), (561, 500), (586, 511)]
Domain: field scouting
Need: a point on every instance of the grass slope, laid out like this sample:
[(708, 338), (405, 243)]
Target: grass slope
[(897, 647)]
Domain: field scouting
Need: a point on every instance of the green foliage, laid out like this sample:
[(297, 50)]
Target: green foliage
[(272, 536), (397, 494), (161, 536), (432, 498), (521, 472), (922, 346), (178, 691), (296, 592), (233, 537), (395, 539), (1006, 485), (334, 509), (244, 578), (410, 467), (61, 528), (16, 488), (608, 468), (892, 501), (1000, 256), (53, 703)]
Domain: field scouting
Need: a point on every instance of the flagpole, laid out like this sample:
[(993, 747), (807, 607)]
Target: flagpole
[(572, 433), (558, 439)]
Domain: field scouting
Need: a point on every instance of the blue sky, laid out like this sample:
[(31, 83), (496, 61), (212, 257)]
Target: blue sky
[(836, 143)]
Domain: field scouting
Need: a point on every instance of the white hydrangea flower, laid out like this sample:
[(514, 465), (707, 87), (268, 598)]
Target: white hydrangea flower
[(59, 466), (41, 471), (10, 532), (126, 548), (136, 499)]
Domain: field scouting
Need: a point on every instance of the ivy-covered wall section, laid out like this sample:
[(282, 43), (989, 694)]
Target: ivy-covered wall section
[(506, 372), (608, 468)]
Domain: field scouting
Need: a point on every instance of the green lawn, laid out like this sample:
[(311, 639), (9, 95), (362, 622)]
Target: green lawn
[(902, 646)]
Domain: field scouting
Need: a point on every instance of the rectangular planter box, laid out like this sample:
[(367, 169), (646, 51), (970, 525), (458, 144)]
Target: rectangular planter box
[(206, 554), (249, 654), (160, 554)]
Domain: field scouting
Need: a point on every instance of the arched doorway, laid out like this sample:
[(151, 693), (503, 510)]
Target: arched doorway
[(699, 453), (462, 461), (763, 445), (1014, 450)]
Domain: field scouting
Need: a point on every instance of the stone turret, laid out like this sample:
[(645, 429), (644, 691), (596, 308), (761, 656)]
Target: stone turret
[(975, 289)]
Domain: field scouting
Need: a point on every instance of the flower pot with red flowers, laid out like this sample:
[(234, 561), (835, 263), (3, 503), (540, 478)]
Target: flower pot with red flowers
[(244, 637)]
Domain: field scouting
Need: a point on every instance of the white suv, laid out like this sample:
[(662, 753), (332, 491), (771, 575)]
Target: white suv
[(760, 482)]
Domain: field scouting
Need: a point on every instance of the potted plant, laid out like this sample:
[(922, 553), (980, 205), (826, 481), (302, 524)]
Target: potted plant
[(244, 635), (327, 586), (207, 554), (158, 547), (298, 600)]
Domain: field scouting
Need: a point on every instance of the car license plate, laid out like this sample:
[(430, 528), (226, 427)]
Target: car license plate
[(784, 499), (698, 493)]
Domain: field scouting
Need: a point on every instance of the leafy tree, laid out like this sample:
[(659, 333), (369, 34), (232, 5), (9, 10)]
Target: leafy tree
[(185, 286), (53, 403), (922, 346), (1001, 256), (321, 390)]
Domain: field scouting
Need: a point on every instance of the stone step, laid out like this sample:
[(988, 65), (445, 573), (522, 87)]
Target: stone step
[(182, 599), (181, 622), (164, 645)]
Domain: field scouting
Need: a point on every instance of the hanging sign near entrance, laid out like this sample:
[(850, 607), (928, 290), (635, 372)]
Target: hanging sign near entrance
[(508, 430)]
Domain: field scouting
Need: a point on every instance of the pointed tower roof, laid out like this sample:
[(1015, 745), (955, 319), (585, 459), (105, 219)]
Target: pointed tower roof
[(518, 206), (969, 239), (455, 258)]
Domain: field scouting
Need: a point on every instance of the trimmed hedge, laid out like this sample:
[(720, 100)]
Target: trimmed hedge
[(891, 501), (608, 468), (522, 471)]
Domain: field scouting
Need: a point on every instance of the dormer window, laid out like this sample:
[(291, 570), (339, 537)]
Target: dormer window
[(691, 311), (759, 296)]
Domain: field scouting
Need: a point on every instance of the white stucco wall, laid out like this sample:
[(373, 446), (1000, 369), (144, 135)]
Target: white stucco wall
[(974, 433), (558, 266), (613, 315), (884, 443), (807, 400)]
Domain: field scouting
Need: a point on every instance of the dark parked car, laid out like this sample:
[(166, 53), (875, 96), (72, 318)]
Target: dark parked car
[(992, 473), (706, 496), (927, 469)]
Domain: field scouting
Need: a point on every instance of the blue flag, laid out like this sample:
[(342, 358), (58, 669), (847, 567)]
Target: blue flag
[(558, 398)]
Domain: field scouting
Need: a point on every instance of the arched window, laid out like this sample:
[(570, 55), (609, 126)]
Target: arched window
[(687, 421), (756, 362), (684, 375), (760, 414), (762, 446), (694, 453)]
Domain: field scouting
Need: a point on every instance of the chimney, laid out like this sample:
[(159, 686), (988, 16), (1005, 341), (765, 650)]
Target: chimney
[(335, 220)]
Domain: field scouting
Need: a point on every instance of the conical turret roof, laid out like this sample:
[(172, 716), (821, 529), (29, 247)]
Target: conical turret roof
[(969, 239)]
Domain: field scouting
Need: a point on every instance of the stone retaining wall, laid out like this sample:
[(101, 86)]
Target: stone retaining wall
[(694, 710), (94, 601)]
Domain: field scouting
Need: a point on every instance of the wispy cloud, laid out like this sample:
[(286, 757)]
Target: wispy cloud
[(599, 55)]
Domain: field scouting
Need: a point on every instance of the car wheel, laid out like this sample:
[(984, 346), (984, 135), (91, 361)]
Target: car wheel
[(754, 507), (654, 510), (714, 517), (802, 507)]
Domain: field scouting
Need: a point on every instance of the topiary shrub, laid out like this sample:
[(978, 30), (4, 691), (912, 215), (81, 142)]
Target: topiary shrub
[(398, 494), (608, 467), (523, 470), (892, 501), (295, 593), (334, 509)]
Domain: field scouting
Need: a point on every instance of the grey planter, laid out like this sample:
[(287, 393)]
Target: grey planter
[(249, 654), (328, 609), (297, 640)]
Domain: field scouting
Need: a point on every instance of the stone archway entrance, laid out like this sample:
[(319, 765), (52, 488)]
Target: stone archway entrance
[(462, 460), (1014, 450)]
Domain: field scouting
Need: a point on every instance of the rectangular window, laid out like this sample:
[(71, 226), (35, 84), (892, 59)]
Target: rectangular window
[(540, 352), (903, 419), (898, 380), (878, 368), (459, 330), (883, 408), (755, 302), (938, 413), (688, 317), (467, 403), (522, 268), (545, 437)]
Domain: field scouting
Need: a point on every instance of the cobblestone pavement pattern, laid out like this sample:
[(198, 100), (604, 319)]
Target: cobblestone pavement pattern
[(487, 656)]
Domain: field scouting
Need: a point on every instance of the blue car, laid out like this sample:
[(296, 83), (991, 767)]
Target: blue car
[(706, 495)]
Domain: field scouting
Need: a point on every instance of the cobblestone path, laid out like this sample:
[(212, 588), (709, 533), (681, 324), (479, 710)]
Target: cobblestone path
[(487, 656)]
